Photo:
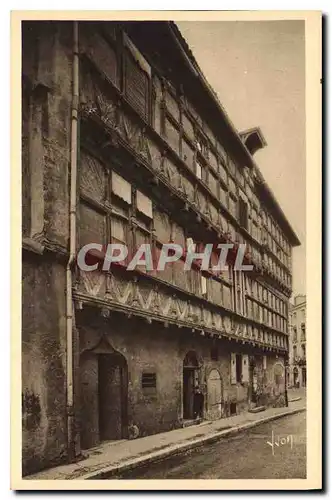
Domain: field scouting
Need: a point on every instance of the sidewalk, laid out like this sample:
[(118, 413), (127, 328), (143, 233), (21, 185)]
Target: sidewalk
[(113, 457)]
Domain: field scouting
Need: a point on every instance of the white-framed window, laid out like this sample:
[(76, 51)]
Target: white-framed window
[(198, 170)]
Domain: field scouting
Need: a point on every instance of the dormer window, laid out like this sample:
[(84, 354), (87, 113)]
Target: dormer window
[(253, 139)]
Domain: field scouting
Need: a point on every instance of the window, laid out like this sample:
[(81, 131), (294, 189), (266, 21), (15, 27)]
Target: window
[(149, 380), (203, 285), (202, 147), (243, 213), (198, 170), (232, 206), (136, 79), (238, 361)]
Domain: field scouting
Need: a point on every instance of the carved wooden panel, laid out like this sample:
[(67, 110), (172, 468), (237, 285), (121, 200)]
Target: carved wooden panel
[(91, 226), (93, 283), (200, 201), (214, 214), (92, 177), (162, 226), (155, 154), (181, 278), (188, 188), (131, 132), (207, 315)]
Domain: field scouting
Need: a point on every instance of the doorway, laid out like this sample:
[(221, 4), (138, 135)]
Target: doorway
[(103, 396), (214, 395), (296, 377), (112, 385), (190, 380)]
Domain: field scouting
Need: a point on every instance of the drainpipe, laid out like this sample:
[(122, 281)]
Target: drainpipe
[(72, 245)]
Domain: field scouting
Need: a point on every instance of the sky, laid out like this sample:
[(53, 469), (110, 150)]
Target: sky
[(257, 69)]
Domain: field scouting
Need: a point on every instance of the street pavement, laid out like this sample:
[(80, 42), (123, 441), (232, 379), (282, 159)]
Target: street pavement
[(247, 455)]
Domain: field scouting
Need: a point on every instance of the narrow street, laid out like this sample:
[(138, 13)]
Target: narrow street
[(246, 455)]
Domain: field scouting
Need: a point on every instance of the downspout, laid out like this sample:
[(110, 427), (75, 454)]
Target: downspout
[(72, 246)]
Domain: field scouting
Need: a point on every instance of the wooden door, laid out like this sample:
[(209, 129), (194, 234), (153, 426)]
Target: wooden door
[(214, 395)]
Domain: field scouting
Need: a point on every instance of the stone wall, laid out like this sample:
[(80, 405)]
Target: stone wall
[(47, 50), (153, 348), (43, 363)]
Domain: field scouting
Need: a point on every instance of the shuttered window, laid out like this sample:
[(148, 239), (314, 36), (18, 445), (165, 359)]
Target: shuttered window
[(136, 85)]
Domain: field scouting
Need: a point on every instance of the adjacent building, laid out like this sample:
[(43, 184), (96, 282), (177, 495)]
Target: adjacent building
[(297, 342), (123, 140)]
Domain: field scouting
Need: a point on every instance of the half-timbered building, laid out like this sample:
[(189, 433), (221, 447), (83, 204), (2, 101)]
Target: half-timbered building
[(124, 140)]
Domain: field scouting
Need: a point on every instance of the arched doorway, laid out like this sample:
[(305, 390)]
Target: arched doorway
[(103, 394), (190, 380), (214, 395)]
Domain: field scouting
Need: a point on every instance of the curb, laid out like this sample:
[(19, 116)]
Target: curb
[(156, 456)]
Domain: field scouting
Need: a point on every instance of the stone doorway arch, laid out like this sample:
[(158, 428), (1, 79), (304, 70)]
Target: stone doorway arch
[(103, 394)]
